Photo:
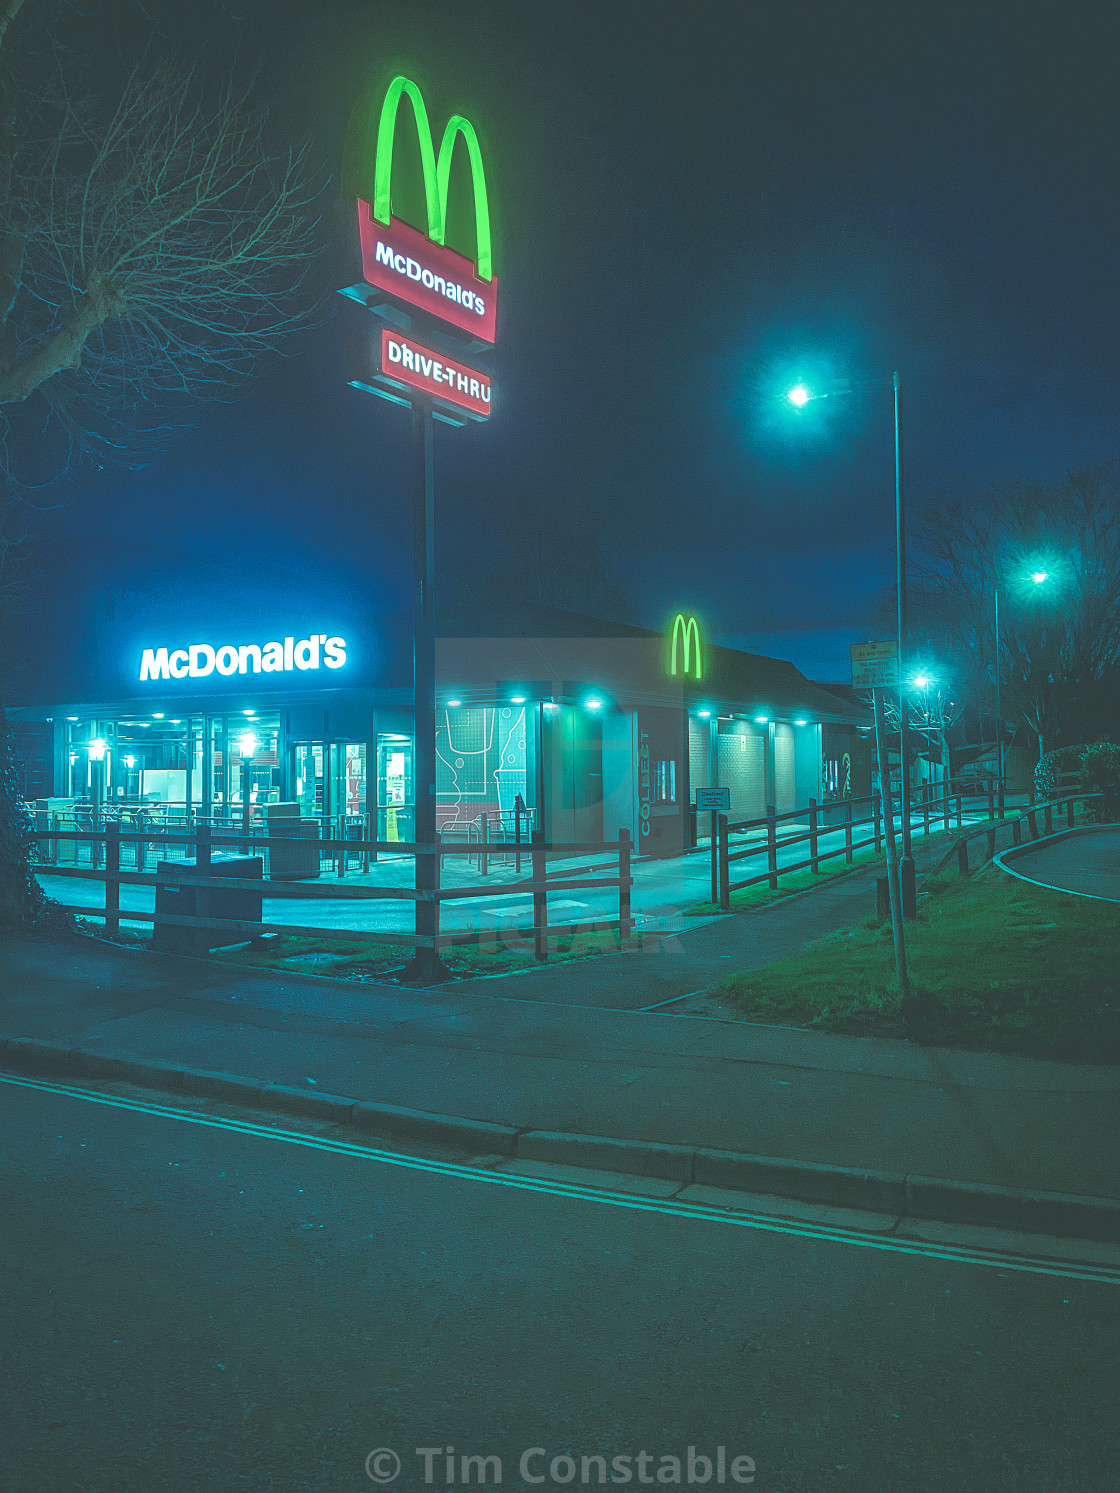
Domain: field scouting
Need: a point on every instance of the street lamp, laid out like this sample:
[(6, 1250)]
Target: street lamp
[(800, 396), (1037, 578), (247, 744), (96, 750)]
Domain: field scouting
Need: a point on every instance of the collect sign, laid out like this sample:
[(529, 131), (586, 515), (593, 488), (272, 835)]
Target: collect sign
[(417, 269), (409, 363), (874, 665)]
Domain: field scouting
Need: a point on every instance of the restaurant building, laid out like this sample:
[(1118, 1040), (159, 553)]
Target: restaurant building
[(557, 721)]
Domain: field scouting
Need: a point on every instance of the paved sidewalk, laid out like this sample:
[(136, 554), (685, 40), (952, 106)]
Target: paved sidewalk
[(545, 1065)]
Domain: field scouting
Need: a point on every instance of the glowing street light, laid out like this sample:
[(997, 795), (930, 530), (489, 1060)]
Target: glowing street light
[(248, 743), (1040, 577), (799, 396)]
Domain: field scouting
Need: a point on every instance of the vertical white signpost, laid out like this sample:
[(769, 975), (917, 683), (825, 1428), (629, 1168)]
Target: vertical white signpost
[(875, 667)]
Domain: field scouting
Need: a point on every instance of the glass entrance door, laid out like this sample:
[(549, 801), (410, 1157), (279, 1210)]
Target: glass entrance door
[(395, 800)]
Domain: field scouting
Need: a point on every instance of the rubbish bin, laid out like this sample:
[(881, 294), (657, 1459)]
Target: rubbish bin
[(189, 901), (293, 850)]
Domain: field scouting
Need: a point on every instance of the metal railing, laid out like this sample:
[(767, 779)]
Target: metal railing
[(108, 864), (828, 818)]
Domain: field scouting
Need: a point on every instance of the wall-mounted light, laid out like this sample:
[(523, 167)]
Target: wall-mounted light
[(761, 720), (73, 717), (801, 723), (249, 712), (517, 699), (454, 704), (593, 704), (703, 714), (157, 715)]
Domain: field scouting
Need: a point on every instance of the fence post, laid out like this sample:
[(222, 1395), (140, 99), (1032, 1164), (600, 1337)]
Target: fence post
[(623, 885), (925, 811), (517, 835), (1002, 797), (724, 867), (991, 844), (962, 856), (877, 815), (1017, 830), (946, 806), (202, 866), (540, 898), (484, 842), (1032, 820), (848, 830), (991, 800), (112, 879), (814, 863), (960, 805), (772, 846), (713, 846), (1048, 814), (1069, 812)]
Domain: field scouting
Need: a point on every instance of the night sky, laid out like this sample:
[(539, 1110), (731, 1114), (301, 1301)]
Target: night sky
[(696, 207)]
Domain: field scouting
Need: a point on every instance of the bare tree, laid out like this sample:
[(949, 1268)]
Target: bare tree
[(152, 249), (1053, 553)]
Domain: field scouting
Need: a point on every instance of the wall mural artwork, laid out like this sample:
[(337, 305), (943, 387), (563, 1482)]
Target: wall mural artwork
[(481, 765)]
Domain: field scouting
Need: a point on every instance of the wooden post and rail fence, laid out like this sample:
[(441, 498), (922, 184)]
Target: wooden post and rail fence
[(105, 865)]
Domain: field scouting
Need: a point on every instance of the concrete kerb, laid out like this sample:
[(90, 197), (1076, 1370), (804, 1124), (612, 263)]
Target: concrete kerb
[(900, 1194)]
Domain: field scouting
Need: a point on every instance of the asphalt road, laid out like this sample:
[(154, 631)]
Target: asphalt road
[(1088, 864), (190, 1308)]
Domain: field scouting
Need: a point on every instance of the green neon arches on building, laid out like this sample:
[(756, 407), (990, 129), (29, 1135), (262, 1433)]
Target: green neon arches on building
[(687, 630), (437, 171)]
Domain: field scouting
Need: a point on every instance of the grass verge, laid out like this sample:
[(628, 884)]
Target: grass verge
[(994, 964)]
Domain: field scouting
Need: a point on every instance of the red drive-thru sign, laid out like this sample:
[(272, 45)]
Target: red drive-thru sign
[(408, 266), (410, 364)]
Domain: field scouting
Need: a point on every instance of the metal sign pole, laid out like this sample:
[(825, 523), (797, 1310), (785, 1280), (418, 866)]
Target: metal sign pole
[(893, 880), (425, 967)]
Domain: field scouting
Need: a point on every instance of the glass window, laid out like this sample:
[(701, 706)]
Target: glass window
[(665, 782)]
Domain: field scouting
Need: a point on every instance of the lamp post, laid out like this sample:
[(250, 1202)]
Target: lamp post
[(1037, 578), (96, 750), (247, 744), (799, 397)]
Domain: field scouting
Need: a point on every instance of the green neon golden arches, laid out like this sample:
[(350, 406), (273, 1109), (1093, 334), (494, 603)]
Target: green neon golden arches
[(437, 172), (688, 632)]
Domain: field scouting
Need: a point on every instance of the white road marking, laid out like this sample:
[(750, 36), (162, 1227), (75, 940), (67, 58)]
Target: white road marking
[(767, 1223)]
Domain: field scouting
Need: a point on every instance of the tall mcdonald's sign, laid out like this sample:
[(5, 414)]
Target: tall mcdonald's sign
[(686, 632), (416, 268)]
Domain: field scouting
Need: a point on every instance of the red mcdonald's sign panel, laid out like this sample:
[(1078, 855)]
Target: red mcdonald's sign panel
[(409, 363), (405, 264)]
